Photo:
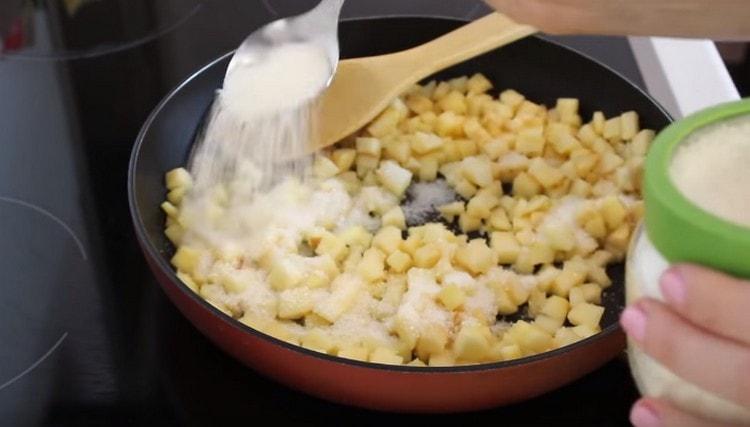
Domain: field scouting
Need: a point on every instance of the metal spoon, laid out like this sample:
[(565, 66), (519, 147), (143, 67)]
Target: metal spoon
[(317, 26)]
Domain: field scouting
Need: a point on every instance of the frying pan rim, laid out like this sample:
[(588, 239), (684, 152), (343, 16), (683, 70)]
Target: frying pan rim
[(160, 260)]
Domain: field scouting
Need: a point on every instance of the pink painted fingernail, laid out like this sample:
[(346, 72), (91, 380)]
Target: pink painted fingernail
[(673, 287), (633, 320), (643, 415)]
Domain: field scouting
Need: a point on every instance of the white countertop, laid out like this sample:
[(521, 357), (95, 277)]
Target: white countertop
[(683, 75)]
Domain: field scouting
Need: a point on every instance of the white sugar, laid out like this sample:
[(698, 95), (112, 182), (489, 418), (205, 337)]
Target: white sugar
[(712, 169), (262, 115), (425, 197)]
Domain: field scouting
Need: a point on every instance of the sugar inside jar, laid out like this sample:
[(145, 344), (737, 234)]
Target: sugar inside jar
[(697, 211)]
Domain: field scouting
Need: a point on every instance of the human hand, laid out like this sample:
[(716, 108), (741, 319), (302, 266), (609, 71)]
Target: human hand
[(718, 19), (701, 333)]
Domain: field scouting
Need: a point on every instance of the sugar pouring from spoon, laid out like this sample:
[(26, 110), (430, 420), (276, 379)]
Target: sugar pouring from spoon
[(263, 113)]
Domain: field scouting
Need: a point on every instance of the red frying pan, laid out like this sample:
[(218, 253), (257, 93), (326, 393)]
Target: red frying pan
[(541, 70)]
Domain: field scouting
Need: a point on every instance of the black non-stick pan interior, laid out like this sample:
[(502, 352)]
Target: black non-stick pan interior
[(541, 70)]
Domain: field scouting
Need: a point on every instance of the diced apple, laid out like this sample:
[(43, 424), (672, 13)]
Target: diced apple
[(612, 128), (428, 168), (393, 177), (464, 188), (477, 170), (345, 290), (548, 324), (476, 257), (187, 259), (386, 356), (423, 143), (556, 307), (284, 274), (450, 124), (431, 341), (641, 141), (468, 223), (481, 205), (451, 210), (344, 158), (451, 297), (454, 102), (170, 209), (365, 164), (388, 239), (419, 103), (565, 336), (524, 185), (510, 352), (317, 340), (295, 303), (505, 246), (530, 141), (566, 280), (472, 344), (394, 218), (427, 256), (504, 302), (511, 98), (188, 281), (399, 261), (478, 83), (372, 265), (176, 195), (324, 168), (629, 126), (586, 314), (530, 337), (619, 238), (369, 146), (398, 149), (499, 221), (561, 237), (613, 211), (177, 178), (333, 246), (355, 353)]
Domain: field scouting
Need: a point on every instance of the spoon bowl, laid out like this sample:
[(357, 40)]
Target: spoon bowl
[(318, 26)]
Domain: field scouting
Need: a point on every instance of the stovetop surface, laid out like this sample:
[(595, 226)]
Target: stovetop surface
[(86, 336)]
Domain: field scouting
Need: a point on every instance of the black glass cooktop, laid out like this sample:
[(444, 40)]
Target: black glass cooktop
[(86, 336)]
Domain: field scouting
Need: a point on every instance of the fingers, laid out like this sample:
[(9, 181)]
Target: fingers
[(711, 362), (711, 300), (657, 413)]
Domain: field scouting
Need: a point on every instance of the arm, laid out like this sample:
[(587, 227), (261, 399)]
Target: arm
[(716, 19)]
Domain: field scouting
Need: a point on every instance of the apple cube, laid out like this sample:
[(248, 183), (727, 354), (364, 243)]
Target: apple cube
[(586, 314), (451, 297), (324, 168), (393, 177), (476, 257), (399, 261)]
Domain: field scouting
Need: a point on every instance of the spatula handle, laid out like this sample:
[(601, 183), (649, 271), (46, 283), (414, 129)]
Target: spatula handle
[(468, 41)]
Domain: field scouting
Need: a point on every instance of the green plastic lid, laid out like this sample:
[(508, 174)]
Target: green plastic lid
[(679, 229)]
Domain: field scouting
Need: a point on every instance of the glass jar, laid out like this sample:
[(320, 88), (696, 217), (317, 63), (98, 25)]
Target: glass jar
[(676, 230), (644, 268)]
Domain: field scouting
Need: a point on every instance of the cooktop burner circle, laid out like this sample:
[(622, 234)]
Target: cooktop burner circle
[(76, 29), (41, 255)]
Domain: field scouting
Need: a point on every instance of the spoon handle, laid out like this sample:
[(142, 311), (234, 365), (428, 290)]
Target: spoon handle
[(466, 42)]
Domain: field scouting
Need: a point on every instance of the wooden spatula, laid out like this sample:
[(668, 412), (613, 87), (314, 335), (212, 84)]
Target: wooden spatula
[(362, 87)]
